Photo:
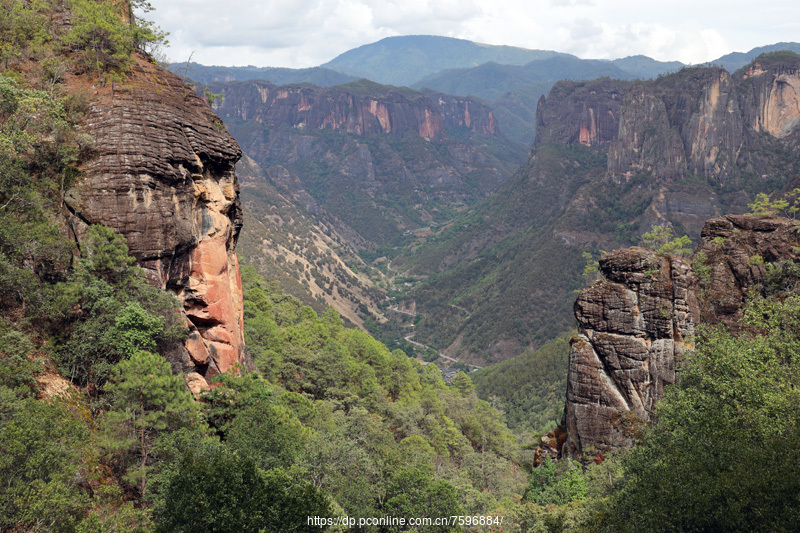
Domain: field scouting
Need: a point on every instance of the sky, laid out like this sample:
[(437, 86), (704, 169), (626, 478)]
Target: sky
[(307, 33)]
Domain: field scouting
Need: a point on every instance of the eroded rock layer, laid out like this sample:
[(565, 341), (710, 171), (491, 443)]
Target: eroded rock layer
[(162, 174), (634, 323), (740, 255), (641, 316)]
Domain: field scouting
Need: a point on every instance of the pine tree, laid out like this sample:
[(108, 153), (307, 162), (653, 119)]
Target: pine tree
[(147, 400)]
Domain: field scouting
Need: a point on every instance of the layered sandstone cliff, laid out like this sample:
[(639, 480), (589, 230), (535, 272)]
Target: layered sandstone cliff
[(634, 323), (382, 160), (162, 175), (366, 109), (685, 146)]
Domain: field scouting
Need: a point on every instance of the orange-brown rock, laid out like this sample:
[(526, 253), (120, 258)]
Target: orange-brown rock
[(162, 174), (197, 384)]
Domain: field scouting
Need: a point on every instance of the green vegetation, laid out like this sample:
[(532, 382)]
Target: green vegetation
[(102, 36), (787, 206), (662, 240), (366, 405), (341, 423), (735, 406), (99, 433), (321, 77), (529, 388)]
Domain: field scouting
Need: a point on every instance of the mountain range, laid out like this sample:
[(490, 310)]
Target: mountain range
[(436, 237)]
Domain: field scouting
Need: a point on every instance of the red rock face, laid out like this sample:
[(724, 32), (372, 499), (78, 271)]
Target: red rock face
[(394, 113), (213, 303), (162, 175)]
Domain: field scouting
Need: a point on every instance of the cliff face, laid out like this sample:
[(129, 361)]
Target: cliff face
[(742, 255), (162, 175), (683, 125), (774, 96), (380, 159), (637, 320), (693, 140), (306, 106), (611, 159), (697, 121), (469, 113), (633, 323), (580, 112)]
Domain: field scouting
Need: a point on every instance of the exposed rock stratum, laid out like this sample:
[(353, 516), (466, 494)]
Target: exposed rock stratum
[(637, 320), (162, 175)]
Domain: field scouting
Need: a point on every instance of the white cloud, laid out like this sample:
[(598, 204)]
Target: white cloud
[(294, 34)]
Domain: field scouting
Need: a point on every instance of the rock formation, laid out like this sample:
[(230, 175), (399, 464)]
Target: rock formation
[(307, 106), (694, 139), (611, 159), (634, 323), (377, 158), (162, 175), (739, 255)]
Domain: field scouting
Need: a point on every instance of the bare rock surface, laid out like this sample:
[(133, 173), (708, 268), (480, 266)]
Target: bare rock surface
[(162, 175), (735, 251), (634, 323)]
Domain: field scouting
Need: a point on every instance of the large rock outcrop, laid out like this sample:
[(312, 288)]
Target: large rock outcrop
[(739, 256), (634, 323), (162, 174)]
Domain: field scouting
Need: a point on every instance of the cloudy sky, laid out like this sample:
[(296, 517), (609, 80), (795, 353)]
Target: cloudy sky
[(305, 33)]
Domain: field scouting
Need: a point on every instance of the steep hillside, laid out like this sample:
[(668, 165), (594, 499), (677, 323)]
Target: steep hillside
[(611, 159), (528, 389), (288, 238), (127, 399)]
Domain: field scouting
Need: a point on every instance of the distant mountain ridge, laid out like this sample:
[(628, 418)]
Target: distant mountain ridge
[(280, 76), (736, 60), (512, 79), (404, 60)]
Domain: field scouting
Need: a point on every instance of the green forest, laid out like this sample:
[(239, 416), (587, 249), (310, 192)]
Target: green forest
[(99, 434)]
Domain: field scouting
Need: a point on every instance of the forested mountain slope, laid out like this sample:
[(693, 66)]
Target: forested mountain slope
[(611, 159), (122, 301)]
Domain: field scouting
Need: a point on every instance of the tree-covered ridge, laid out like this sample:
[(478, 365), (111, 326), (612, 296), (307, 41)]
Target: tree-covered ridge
[(529, 388), (346, 425), (380, 409)]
